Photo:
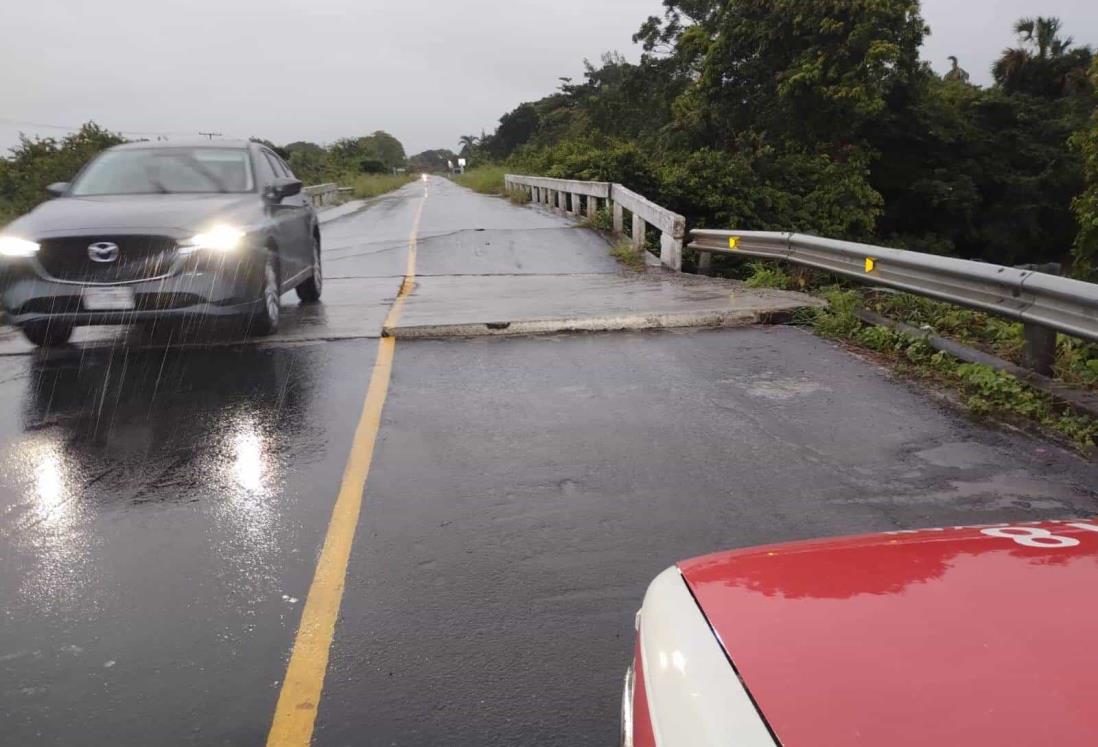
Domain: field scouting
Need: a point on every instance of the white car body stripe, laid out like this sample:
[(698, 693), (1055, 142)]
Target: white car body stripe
[(695, 698)]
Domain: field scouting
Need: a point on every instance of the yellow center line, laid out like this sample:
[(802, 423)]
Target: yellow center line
[(295, 714)]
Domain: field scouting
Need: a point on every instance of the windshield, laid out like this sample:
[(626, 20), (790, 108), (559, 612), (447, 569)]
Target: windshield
[(166, 170)]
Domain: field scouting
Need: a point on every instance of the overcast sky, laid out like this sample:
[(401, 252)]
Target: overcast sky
[(427, 71)]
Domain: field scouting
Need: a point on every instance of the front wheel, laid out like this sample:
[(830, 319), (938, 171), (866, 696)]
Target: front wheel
[(47, 334), (309, 290), (265, 319)]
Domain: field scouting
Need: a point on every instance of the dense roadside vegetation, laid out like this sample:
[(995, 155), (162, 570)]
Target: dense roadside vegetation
[(822, 118), (369, 165), (487, 180)]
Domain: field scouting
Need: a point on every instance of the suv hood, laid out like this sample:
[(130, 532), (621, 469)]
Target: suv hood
[(974, 636), (173, 214)]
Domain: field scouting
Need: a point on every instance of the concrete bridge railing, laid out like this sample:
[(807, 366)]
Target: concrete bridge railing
[(323, 195), (571, 197)]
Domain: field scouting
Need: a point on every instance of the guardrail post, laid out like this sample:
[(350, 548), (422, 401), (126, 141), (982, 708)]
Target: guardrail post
[(705, 263), (1040, 348), (619, 220), (639, 227), (592, 207)]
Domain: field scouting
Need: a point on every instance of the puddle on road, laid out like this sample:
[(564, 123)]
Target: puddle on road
[(777, 388), (959, 455)]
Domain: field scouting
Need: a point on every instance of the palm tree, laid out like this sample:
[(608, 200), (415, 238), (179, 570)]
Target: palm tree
[(1044, 64), (956, 72), (467, 143), (1044, 33)]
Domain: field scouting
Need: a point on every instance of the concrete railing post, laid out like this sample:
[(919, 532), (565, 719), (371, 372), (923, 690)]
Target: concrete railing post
[(592, 207), (619, 220), (639, 229), (671, 244), (671, 252)]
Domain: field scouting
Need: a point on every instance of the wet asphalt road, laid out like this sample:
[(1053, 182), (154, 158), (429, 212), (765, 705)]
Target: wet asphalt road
[(161, 509)]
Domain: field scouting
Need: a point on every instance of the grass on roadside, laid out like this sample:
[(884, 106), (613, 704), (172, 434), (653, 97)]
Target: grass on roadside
[(624, 253), (372, 185), (519, 196), (1076, 361), (985, 390), (487, 180), (603, 220)]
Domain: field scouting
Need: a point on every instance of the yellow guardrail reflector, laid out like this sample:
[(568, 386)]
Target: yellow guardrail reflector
[(870, 264), (733, 242)]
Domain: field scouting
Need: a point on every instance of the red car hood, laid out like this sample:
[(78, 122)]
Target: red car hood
[(945, 637)]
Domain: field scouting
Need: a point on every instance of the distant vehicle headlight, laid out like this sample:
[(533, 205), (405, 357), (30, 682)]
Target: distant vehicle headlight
[(11, 246), (217, 239)]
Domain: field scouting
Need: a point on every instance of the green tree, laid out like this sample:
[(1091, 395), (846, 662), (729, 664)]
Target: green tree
[(1045, 63), (432, 161), (379, 152), (815, 74), (37, 162), (1085, 143)]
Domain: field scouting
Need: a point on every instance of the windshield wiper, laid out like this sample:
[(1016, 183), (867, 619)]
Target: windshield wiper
[(200, 168)]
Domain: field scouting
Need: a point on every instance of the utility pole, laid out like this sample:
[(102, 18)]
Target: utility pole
[(210, 135)]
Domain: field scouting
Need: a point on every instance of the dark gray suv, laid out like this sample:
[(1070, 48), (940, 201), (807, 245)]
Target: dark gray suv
[(156, 231)]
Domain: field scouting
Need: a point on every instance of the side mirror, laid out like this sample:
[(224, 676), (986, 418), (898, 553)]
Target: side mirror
[(283, 187), (57, 189)]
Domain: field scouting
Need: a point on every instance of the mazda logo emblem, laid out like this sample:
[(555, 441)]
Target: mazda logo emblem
[(103, 251)]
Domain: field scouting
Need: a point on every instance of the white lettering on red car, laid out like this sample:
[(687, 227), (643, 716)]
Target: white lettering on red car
[(1038, 536)]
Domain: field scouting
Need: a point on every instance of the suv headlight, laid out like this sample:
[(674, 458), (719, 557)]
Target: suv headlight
[(11, 246), (217, 239)]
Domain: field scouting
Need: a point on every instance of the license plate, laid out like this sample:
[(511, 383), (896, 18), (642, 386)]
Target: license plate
[(108, 299)]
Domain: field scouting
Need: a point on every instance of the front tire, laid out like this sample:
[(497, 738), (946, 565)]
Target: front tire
[(265, 320), (309, 290), (47, 334)]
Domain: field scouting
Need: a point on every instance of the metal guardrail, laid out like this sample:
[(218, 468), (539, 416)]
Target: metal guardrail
[(1044, 303), (566, 195)]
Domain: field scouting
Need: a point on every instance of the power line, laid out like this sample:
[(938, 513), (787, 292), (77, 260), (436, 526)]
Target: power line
[(25, 123)]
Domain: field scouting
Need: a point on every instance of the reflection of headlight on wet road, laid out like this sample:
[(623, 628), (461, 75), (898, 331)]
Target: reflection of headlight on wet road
[(47, 478), (248, 460)]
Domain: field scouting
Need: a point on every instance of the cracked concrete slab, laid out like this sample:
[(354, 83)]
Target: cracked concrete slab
[(535, 304)]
